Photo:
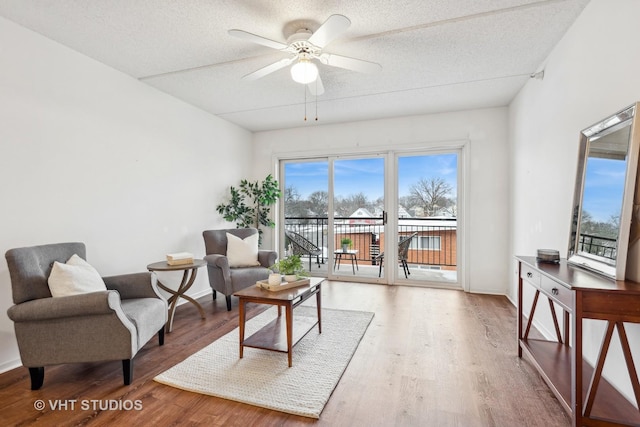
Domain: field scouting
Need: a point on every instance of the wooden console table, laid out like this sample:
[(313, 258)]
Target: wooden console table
[(581, 389)]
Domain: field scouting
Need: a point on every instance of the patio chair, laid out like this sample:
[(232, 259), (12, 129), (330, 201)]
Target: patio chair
[(403, 251), (303, 247)]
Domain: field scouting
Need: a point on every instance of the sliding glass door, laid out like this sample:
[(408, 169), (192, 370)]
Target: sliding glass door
[(358, 220), (333, 215), (305, 212), (427, 220), (384, 218)]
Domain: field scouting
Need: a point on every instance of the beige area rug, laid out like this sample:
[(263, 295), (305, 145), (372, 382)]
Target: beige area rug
[(263, 378)]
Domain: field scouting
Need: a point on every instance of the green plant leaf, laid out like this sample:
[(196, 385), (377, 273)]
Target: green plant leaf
[(250, 204)]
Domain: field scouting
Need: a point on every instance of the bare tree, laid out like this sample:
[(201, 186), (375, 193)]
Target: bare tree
[(405, 201), (451, 208), (348, 205), (319, 203), (431, 194), (293, 205)]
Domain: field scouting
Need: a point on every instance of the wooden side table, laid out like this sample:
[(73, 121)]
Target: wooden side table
[(188, 277)]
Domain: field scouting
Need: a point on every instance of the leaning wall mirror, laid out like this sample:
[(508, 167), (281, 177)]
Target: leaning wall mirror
[(603, 206)]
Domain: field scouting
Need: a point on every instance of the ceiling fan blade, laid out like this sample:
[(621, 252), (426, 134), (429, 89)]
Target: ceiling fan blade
[(268, 69), (350, 63), (316, 88), (329, 30), (257, 39)]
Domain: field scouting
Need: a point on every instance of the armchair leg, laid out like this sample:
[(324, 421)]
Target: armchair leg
[(161, 336), (228, 298), (37, 377), (127, 370), (214, 294)]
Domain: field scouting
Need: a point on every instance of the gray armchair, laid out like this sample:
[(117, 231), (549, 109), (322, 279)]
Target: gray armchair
[(225, 279), (91, 327)]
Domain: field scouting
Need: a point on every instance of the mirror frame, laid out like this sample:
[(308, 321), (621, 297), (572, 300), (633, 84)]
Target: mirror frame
[(616, 269)]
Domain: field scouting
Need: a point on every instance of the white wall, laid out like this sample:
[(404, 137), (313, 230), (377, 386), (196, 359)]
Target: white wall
[(90, 154), (486, 134), (593, 72)]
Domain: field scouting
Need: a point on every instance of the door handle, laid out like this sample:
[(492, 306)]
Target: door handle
[(384, 217)]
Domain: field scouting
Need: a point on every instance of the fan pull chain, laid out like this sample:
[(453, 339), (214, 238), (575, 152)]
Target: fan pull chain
[(304, 88), (316, 100)]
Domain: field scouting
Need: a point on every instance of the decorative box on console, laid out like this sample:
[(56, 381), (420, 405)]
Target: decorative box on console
[(548, 255)]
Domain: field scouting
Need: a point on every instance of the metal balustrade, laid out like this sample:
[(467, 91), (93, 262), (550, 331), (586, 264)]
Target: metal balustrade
[(597, 245), (434, 246)]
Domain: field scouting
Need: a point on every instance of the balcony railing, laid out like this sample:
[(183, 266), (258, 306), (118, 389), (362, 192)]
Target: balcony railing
[(435, 244), (597, 245)]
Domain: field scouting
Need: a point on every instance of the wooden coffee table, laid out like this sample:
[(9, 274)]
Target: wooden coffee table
[(275, 336)]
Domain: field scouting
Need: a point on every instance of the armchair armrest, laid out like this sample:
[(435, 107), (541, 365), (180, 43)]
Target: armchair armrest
[(136, 285), (267, 258), (219, 273), (94, 303), (217, 260)]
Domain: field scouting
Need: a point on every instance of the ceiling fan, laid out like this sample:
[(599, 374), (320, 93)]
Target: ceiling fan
[(305, 47)]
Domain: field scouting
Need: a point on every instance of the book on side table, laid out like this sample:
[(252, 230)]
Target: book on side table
[(180, 258)]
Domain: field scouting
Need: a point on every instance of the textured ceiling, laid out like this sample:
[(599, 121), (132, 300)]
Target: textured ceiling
[(436, 55)]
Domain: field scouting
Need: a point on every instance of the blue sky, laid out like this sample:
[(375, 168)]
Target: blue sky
[(367, 175), (306, 177), (412, 168), (603, 188)]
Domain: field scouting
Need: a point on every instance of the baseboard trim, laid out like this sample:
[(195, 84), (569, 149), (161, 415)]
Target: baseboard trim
[(10, 365), (546, 333), (195, 295)]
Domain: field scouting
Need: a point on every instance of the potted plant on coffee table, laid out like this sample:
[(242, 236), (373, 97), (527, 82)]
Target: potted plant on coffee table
[(291, 267)]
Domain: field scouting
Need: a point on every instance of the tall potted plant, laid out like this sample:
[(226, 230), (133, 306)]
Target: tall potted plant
[(251, 203)]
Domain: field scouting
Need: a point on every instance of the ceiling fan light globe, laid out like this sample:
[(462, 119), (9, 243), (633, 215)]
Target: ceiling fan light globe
[(304, 72)]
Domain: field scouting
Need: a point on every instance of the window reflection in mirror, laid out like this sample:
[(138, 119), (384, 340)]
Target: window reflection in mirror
[(603, 192), (603, 199)]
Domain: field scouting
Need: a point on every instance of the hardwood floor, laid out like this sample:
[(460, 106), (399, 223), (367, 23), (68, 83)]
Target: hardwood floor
[(431, 357)]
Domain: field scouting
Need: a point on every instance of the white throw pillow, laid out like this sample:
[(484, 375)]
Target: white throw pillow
[(77, 276), (242, 253)]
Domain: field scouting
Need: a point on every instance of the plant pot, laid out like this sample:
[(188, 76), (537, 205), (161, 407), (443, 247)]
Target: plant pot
[(345, 247), (275, 279), (290, 277)]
